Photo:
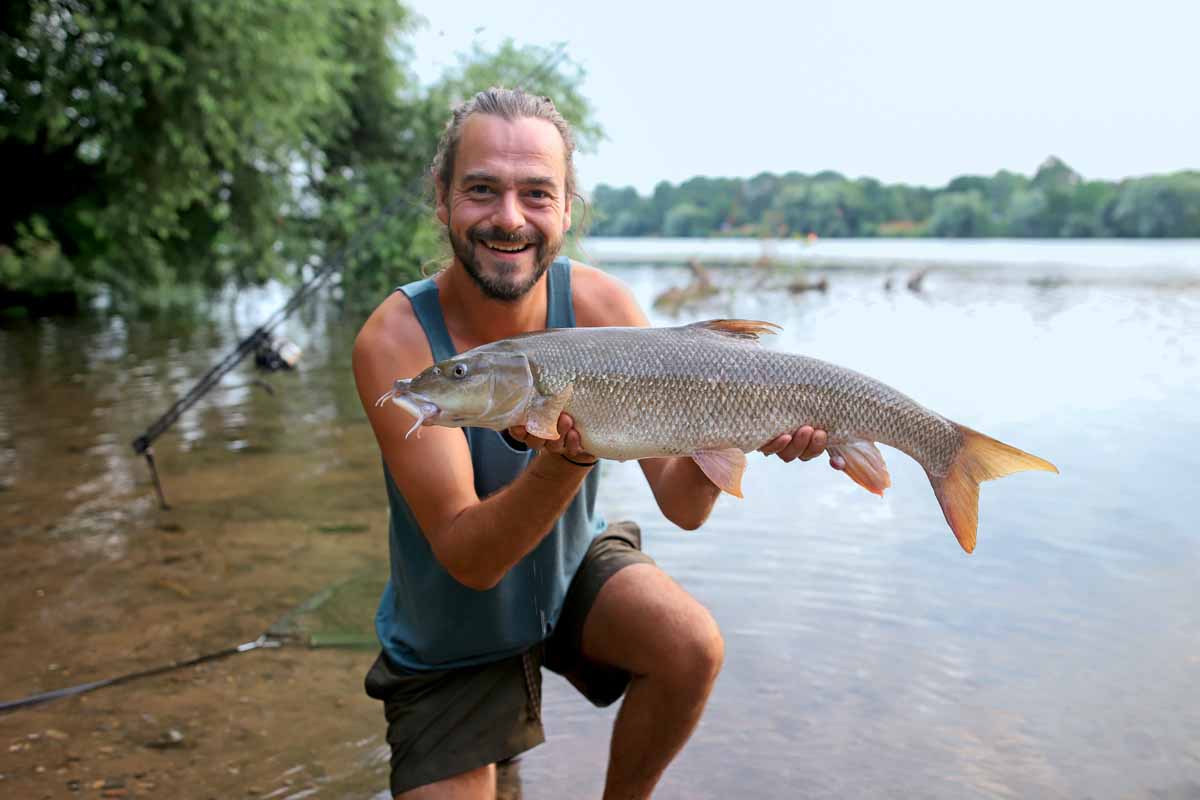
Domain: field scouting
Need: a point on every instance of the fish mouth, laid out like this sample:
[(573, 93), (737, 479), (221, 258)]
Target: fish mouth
[(425, 410)]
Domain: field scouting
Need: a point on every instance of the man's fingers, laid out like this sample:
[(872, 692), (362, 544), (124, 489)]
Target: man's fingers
[(815, 446), (775, 445), (800, 440)]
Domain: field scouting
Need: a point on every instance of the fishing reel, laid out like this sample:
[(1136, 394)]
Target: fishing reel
[(275, 353)]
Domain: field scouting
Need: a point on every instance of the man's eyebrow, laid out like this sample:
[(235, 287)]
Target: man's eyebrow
[(481, 176)]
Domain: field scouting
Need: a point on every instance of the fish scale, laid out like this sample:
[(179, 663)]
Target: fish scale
[(638, 392)]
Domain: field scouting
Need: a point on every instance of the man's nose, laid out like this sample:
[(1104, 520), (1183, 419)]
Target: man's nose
[(508, 214)]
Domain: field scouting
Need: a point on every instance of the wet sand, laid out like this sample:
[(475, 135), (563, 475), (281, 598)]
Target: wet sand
[(110, 584)]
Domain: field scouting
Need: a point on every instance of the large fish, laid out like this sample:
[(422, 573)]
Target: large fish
[(708, 391)]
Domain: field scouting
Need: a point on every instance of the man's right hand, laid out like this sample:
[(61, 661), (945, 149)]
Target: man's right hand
[(567, 444)]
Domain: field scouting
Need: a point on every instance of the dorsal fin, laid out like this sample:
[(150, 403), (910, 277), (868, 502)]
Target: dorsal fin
[(741, 328)]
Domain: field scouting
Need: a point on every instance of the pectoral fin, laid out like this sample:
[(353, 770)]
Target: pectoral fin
[(541, 416), (723, 467), (864, 465)]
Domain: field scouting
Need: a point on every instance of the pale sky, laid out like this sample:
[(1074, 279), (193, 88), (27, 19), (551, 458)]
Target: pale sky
[(916, 91)]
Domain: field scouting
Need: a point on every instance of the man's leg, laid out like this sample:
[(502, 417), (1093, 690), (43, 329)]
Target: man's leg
[(478, 784), (447, 729), (642, 621)]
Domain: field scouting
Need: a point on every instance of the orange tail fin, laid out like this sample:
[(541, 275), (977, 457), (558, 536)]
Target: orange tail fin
[(981, 458)]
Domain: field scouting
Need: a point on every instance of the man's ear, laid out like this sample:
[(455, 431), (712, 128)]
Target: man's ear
[(443, 211), (567, 214)]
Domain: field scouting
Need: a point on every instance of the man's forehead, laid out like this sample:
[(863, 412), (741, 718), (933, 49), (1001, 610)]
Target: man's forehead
[(499, 146)]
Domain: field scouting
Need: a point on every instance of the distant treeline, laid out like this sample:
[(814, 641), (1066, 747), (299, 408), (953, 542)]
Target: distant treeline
[(1055, 202)]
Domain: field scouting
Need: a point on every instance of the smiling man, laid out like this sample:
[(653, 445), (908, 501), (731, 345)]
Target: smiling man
[(499, 562)]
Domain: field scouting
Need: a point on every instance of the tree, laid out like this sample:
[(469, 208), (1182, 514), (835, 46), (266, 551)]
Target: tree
[(960, 214), (1160, 206), (687, 219), (165, 148), (158, 141)]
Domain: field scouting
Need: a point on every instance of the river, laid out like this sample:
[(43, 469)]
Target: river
[(866, 655)]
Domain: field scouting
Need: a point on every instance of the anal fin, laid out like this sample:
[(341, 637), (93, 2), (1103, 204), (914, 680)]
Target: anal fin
[(864, 465), (723, 467)]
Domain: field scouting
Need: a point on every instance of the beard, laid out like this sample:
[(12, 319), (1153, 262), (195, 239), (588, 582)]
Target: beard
[(505, 285)]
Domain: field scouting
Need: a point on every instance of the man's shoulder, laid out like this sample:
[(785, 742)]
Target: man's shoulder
[(393, 330), (601, 299)]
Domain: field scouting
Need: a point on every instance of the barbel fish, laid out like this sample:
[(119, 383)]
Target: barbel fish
[(708, 391)]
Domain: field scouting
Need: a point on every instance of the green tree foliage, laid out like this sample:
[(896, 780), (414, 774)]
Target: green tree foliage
[(1055, 202), (960, 215), (1166, 205), (153, 149), (687, 219)]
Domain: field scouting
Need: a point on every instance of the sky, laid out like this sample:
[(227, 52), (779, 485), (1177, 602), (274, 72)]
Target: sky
[(915, 92)]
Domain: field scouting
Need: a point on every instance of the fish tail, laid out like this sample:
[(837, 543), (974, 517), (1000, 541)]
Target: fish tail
[(981, 458)]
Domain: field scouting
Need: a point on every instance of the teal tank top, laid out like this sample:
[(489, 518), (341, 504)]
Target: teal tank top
[(427, 620)]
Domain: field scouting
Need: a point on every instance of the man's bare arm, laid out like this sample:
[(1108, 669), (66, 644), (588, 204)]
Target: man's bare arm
[(477, 540)]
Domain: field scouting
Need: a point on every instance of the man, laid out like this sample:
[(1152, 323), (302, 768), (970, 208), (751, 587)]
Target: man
[(498, 562)]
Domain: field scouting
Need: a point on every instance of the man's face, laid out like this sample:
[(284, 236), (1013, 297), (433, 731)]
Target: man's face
[(506, 208)]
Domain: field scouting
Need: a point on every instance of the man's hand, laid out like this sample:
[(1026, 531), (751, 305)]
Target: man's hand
[(804, 444), (567, 444)]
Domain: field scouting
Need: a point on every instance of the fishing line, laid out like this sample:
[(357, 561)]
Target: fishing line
[(260, 337)]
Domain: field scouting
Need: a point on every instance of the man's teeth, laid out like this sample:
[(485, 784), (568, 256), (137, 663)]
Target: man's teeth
[(507, 247)]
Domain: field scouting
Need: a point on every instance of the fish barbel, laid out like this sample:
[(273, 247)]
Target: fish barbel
[(710, 392)]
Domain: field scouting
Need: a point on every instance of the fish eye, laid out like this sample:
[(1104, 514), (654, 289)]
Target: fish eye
[(459, 370)]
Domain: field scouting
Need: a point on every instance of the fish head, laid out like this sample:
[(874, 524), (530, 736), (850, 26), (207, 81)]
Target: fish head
[(485, 388)]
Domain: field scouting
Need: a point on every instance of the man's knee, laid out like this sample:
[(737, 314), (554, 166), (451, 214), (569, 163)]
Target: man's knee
[(696, 650)]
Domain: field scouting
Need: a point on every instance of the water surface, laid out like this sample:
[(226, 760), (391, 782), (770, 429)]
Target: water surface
[(866, 654)]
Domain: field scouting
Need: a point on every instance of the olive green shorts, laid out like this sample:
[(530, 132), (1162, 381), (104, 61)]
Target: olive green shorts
[(445, 723)]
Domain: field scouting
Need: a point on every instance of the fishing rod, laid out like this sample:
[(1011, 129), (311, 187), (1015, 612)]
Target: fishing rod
[(84, 688), (271, 353), (283, 631)]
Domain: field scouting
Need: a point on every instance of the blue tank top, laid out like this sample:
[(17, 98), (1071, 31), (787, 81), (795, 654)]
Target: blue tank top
[(428, 620)]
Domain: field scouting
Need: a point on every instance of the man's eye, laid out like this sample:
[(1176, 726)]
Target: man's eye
[(539, 194), (480, 189)]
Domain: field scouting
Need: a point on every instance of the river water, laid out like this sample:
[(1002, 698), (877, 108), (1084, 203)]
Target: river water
[(866, 655)]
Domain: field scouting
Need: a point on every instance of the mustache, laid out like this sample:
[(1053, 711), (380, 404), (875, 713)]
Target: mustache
[(508, 237)]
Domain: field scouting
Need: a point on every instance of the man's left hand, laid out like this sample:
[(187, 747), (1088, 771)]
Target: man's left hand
[(804, 444)]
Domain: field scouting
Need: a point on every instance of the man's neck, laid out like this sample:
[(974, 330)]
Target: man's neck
[(474, 319)]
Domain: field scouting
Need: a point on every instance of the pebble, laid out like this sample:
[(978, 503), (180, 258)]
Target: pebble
[(56, 734), (168, 739)]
